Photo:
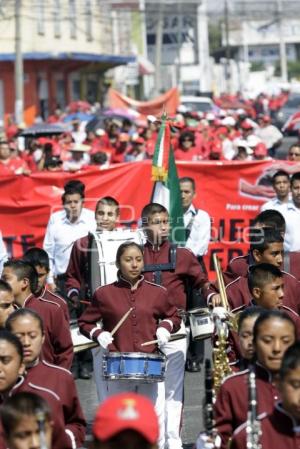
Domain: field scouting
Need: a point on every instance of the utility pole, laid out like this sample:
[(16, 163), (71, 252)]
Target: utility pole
[(205, 82), (19, 75), (179, 42), (227, 47), (158, 46), (282, 47)]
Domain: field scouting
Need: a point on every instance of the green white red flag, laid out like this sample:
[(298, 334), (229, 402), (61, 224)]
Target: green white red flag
[(166, 190)]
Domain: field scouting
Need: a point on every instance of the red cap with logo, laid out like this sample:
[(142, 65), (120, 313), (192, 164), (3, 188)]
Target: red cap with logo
[(126, 411)]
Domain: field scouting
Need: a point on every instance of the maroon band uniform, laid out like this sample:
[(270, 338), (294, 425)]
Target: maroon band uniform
[(150, 303), (58, 346), (278, 429), (231, 406), (62, 382)]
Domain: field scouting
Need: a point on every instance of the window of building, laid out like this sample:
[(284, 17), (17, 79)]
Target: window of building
[(56, 18), (72, 15), (40, 16), (89, 21)]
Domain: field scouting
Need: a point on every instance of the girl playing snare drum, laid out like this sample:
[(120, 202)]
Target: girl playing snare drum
[(153, 317)]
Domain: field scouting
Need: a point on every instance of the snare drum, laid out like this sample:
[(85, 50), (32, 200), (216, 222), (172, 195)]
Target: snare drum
[(201, 323), (137, 366), (103, 250)]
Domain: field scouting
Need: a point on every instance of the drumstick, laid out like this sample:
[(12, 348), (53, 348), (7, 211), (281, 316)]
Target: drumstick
[(153, 342), (119, 324), (84, 302)]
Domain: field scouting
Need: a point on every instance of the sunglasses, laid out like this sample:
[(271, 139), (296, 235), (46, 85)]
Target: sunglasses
[(294, 154)]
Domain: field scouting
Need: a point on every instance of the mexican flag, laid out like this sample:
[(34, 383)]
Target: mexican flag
[(166, 189)]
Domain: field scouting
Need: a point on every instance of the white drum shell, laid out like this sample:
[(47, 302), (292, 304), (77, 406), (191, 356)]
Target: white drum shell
[(201, 323)]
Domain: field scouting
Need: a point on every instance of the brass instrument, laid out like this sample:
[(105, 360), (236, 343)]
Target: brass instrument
[(221, 362)]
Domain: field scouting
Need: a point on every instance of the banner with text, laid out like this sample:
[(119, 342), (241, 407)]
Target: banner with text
[(231, 192)]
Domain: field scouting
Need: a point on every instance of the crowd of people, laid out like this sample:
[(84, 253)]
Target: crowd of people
[(237, 129)]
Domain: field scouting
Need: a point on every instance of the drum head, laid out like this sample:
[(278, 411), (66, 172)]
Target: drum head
[(199, 311), (175, 337)]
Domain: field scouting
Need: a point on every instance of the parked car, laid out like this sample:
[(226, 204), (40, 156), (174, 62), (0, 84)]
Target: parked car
[(197, 104)]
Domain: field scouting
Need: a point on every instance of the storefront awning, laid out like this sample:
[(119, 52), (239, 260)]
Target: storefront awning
[(111, 60)]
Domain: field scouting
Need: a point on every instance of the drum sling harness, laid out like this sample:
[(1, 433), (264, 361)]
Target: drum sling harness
[(157, 268)]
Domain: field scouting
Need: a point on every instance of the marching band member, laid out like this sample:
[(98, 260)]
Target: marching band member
[(266, 288), (274, 331), (246, 321), (157, 251), (281, 425), (6, 302), (27, 325), (238, 266), (40, 260), (12, 382), (107, 215), (150, 304), (23, 279), (26, 420), (266, 247)]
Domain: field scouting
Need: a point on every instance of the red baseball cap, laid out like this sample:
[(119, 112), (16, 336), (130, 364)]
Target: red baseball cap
[(126, 411), (260, 149)]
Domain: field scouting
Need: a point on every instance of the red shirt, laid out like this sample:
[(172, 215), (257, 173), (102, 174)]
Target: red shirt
[(58, 346), (61, 381), (192, 154), (187, 269), (278, 429), (231, 406), (14, 165), (150, 304)]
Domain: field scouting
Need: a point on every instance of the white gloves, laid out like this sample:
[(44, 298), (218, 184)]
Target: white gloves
[(163, 336), (220, 312), (105, 339)]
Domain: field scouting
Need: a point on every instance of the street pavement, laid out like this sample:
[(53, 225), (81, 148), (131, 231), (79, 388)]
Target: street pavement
[(193, 398)]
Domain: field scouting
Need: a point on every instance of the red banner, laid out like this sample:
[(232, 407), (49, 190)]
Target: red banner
[(231, 192), (167, 102)]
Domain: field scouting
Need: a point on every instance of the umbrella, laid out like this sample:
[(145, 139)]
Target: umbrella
[(95, 123), (44, 129), (80, 116), (120, 113)]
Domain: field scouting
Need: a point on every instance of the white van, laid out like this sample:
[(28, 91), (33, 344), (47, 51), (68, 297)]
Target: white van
[(197, 104)]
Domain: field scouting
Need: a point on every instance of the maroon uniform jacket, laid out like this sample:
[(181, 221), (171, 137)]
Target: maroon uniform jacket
[(278, 429), (62, 383), (150, 304), (238, 266), (77, 267), (58, 346), (231, 406), (187, 269), (60, 439), (293, 315), (238, 292), (50, 296)]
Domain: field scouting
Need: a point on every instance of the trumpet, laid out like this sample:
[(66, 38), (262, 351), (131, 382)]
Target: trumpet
[(221, 362)]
